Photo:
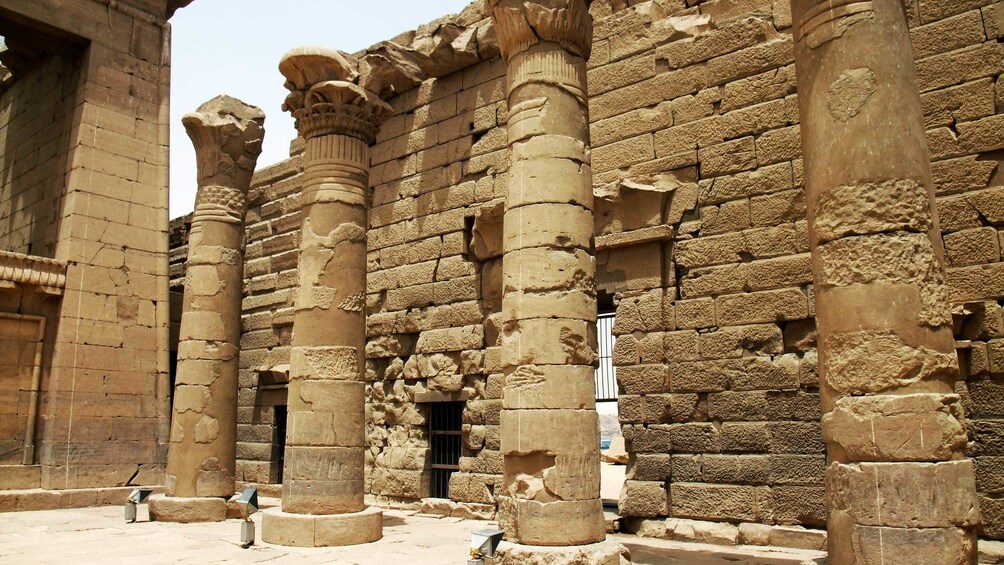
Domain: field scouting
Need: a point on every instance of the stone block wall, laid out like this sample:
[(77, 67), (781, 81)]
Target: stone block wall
[(35, 115), (716, 361), (104, 409), (701, 244)]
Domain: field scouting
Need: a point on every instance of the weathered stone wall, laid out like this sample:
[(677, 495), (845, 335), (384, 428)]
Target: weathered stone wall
[(701, 240), (717, 365), (105, 405), (35, 117)]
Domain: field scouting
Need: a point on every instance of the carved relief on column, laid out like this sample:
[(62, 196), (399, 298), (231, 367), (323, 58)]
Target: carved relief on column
[(227, 135), (899, 486)]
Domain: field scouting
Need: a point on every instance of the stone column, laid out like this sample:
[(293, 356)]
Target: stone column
[(202, 454), (322, 491), (899, 488), (550, 434)]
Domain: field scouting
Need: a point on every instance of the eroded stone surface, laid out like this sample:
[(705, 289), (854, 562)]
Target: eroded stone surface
[(227, 135), (549, 441), (338, 115), (898, 489)]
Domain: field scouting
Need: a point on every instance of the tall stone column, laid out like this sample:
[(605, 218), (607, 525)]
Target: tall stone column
[(550, 434), (202, 454), (322, 491), (899, 488)]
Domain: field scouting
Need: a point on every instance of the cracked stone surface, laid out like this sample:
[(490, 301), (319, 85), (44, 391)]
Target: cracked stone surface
[(549, 426), (898, 487), (338, 116), (202, 455)]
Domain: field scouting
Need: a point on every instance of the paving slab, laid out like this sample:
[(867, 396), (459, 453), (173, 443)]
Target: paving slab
[(101, 536)]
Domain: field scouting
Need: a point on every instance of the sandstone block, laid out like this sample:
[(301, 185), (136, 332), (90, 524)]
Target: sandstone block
[(650, 467), (324, 362), (643, 498), (761, 307), (797, 469), (576, 304), (754, 534), (852, 543), (730, 503), (536, 465), (743, 437), (304, 496), (553, 341), (186, 510), (914, 427), (323, 463), (550, 387), (567, 180), (602, 553), (700, 531), (797, 537), (541, 269), (552, 523), (736, 469), (324, 396), (804, 505), (904, 495), (304, 530)]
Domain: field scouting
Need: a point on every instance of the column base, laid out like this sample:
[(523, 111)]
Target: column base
[(186, 509), (602, 553), (309, 530)]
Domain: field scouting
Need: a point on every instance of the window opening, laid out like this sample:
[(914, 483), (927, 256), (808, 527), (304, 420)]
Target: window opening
[(445, 419)]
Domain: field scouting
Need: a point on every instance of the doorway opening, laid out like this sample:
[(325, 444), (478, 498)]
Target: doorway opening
[(445, 445), (279, 439)]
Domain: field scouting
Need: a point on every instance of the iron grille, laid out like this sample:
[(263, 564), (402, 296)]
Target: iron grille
[(606, 374), (445, 419)]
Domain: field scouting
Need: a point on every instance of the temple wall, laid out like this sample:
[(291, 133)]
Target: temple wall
[(35, 114), (104, 402), (701, 238)]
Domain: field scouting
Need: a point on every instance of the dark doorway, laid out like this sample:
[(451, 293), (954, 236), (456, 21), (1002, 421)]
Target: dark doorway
[(279, 440), (445, 420)]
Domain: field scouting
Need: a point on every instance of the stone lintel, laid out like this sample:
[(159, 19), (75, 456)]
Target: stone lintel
[(634, 237), (31, 270)]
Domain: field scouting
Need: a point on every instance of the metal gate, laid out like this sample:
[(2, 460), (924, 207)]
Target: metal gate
[(606, 374), (445, 419)]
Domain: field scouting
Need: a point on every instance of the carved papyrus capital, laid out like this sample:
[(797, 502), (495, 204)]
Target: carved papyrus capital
[(521, 24), (227, 135), (324, 98)]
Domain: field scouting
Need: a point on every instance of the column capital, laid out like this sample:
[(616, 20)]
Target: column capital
[(325, 96), (521, 24), (227, 135)]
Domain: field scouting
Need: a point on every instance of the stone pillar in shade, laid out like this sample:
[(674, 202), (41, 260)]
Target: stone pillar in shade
[(549, 433), (202, 453), (322, 491), (899, 488)]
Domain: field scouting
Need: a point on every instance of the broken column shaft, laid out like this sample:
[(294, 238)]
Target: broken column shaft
[(549, 432), (322, 491), (202, 455), (899, 487)]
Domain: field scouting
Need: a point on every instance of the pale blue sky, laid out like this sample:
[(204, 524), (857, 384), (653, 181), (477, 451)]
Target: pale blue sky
[(234, 46)]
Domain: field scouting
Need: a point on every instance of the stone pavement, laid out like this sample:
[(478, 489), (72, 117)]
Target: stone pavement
[(100, 535)]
